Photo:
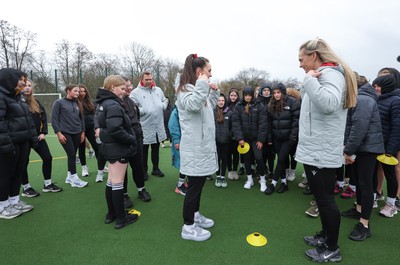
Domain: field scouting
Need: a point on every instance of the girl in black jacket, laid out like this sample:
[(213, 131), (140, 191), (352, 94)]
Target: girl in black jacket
[(249, 124), (283, 130), (223, 137), (233, 157), (17, 131), (118, 144), (39, 118)]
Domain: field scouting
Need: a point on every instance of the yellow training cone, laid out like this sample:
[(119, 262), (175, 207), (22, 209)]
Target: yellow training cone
[(243, 149), (389, 160), (133, 211), (256, 239)]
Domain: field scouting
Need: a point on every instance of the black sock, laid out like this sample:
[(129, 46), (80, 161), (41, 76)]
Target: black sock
[(118, 200)]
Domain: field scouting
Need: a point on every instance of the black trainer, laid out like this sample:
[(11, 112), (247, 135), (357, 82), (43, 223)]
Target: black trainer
[(323, 254), (317, 240), (351, 213), (127, 201), (30, 193), (129, 219), (109, 219), (307, 191), (360, 232), (51, 188), (270, 189), (157, 172), (144, 195), (284, 187)]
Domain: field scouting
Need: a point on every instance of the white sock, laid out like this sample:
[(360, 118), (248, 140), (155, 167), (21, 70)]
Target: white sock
[(283, 181), (262, 178), (374, 196), (249, 177), (26, 186), (140, 189), (242, 165), (47, 182), (14, 200), (84, 167), (340, 183), (353, 187), (274, 182), (390, 201)]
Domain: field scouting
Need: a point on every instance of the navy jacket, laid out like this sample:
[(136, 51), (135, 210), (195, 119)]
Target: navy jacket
[(363, 127)]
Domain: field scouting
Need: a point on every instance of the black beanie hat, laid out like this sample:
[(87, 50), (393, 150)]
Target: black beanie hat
[(279, 86), (387, 83), (247, 90)]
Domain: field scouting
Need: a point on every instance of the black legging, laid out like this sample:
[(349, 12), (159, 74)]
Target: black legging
[(223, 153), (254, 154), (282, 149), (155, 149), (362, 173), (90, 135), (233, 157), (70, 147), (137, 168), (191, 204), (269, 156), (11, 168), (322, 184), (391, 180), (44, 152), (293, 162)]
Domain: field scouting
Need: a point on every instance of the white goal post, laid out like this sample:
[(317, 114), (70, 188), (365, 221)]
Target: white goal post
[(47, 100)]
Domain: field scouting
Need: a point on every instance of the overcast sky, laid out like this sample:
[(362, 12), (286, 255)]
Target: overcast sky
[(233, 34)]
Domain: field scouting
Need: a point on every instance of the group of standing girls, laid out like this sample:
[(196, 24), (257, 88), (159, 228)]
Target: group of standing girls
[(269, 124)]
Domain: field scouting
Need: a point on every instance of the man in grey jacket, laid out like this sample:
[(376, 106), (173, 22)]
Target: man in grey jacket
[(151, 102)]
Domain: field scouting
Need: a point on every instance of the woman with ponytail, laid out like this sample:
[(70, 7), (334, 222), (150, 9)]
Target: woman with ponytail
[(329, 89)]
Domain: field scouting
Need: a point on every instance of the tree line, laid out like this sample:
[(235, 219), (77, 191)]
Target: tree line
[(75, 63)]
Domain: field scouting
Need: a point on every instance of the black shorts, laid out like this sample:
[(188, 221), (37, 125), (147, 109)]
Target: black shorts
[(122, 160)]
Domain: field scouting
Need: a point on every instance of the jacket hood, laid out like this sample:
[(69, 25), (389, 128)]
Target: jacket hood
[(104, 94), (368, 90), (279, 86), (386, 82), (338, 68), (265, 86), (248, 91), (225, 107), (9, 78)]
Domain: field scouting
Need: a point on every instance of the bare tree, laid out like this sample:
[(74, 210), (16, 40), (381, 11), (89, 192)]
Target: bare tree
[(136, 58), (246, 77), (168, 70), (82, 57), (63, 60), (41, 73), (16, 45)]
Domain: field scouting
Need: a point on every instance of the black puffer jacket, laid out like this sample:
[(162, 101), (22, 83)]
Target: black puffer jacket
[(284, 125), (116, 133), (223, 131), (363, 127), (16, 125), (252, 126), (88, 116), (134, 117), (389, 110)]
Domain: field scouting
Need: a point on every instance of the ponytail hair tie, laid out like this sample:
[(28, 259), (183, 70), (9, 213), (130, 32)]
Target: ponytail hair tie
[(194, 55)]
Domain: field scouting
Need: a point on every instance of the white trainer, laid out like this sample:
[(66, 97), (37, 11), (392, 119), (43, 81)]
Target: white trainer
[(202, 221), (85, 171), (77, 182), (68, 180), (195, 233), (100, 176), (230, 175), (235, 175), (291, 176), (10, 212), (249, 183), (263, 185), (22, 206)]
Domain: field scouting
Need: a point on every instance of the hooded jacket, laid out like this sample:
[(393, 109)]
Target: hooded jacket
[(151, 103), (322, 119), (117, 137), (363, 126), (16, 124), (198, 150)]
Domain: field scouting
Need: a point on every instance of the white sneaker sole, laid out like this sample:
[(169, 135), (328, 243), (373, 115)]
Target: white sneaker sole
[(196, 238)]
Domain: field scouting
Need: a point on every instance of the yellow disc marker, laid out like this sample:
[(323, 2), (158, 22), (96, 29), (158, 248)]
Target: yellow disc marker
[(256, 239), (389, 160), (243, 150)]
